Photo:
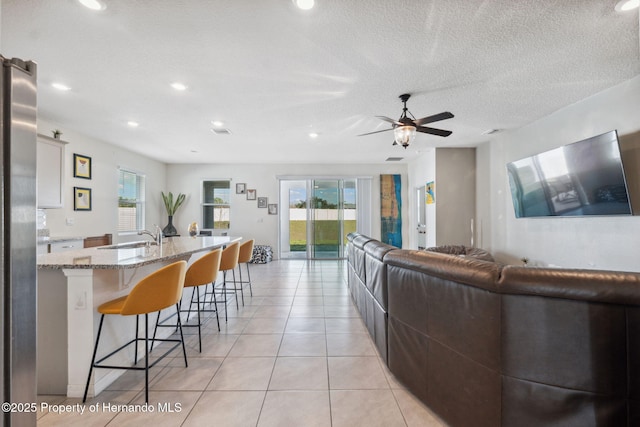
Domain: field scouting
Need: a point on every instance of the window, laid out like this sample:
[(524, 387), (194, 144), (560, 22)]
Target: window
[(216, 197), (130, 201)]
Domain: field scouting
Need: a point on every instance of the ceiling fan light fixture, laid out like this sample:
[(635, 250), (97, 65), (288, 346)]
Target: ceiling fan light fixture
[(404, 135)]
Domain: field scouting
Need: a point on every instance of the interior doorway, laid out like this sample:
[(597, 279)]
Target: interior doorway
[(316, 216)]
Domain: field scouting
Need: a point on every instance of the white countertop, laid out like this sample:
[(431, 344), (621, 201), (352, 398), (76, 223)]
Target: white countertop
[(117, 258)]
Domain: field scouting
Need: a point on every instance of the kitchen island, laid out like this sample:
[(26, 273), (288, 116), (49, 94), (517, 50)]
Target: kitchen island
[(72, 284)]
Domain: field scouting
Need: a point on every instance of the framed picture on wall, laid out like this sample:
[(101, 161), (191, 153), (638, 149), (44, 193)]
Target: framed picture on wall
[(81, 166), (273, 209), (262, 202), (251, 194), (81, 199), (430, 191), (241, 188)]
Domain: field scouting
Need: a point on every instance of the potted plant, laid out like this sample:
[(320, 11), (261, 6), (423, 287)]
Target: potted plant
[(172, 206)]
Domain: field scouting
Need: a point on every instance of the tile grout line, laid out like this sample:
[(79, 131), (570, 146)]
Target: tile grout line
[(275, 361)]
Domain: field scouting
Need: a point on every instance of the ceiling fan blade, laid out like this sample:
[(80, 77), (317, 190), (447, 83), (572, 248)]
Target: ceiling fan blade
[(392, 121), (435, 118), (433, 131), (378, 131)]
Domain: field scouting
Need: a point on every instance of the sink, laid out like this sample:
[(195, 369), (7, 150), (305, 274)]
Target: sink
[(130, 245)]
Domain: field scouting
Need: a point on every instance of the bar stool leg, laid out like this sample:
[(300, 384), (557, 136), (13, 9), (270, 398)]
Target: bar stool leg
[(184, 350), (214, 301), (235, 290), (93, 360), (224, 292), (249, 278), (215, 304), (153, 339), (197, 290), (135, 348), (235, 285), (146, 357)]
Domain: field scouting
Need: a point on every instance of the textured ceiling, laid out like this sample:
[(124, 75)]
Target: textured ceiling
[(274, 73)]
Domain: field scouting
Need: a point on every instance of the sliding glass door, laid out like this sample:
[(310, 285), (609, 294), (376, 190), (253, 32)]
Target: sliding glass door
[(326, 219), (321, 212), (293, 219)]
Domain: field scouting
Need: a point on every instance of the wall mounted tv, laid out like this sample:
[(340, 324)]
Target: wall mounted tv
[(579, 179)]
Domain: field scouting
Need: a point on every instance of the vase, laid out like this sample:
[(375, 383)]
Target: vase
[(169, 229), (193, 229)]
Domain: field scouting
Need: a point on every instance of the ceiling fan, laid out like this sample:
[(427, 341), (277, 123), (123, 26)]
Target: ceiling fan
[(405, 128)]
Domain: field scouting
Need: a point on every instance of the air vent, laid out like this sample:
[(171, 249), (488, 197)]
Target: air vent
[(221, 131), (394, 159)]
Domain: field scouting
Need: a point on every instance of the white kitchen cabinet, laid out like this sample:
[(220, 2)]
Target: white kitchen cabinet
[(50, 172)]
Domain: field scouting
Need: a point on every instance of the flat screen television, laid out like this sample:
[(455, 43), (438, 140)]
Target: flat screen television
[(579, 179)]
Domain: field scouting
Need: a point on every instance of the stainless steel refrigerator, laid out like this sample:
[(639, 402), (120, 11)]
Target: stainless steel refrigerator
[(18, 238)]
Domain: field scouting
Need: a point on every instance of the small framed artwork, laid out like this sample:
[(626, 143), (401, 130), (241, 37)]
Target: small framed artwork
[(81, 199), (273, 209), (81, 166), (241, 188), (262, 202), (251, 194), (430, 191)]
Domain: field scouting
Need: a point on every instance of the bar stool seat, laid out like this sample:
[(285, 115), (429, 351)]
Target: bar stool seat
[(157, 291), (229, 262), (244, 256), (202, 272), (113, 306)]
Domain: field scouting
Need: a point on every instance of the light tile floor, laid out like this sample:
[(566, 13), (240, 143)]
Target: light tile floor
[(296, 354)]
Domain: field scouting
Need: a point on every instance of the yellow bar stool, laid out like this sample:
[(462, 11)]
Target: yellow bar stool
[(229, 262), (157, 291), (244, 256), (202, 272)]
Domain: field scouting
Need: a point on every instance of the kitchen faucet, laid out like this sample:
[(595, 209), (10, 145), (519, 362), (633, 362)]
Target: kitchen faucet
[(157, 237)]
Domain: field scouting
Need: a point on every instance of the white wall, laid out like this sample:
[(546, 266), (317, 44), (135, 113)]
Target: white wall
[(420, 171), (594, 242), (249, 221), (449, 219), (104, 185)]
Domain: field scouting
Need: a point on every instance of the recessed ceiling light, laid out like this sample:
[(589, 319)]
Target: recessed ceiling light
[(61, 86), (217, 123), (304, 4), (626, 5), (133, 124), (93, 4), (313, 135), (179, 86)]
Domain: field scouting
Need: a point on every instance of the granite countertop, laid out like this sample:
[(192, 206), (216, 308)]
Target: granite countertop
[(126, 256)]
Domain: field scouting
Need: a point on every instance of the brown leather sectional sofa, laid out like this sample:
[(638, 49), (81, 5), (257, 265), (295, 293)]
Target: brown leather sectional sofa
[(483, 344)]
